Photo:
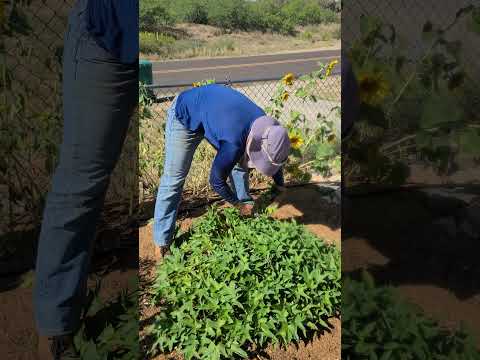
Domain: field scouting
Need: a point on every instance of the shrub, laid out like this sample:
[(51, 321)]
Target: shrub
[(307, 12), (236, 282), (196, 12), (154, 16), (263, 15), (228, 14)]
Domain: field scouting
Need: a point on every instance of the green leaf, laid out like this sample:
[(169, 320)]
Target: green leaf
[(386, 355), (90, 351), (230, 280), (368, 279), (368, 24), (239, 351), (470, 141), (440, 109), (474, 23), (324, 150)]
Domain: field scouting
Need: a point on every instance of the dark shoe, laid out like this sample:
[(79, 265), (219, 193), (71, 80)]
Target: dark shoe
[(58, 348), (161, 252)]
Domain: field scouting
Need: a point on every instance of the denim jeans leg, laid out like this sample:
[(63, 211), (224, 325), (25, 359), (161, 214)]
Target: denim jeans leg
[(239, 178), (180, 146), (99, 98)]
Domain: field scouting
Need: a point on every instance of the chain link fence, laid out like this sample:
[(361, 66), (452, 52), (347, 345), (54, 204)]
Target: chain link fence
[(408, 19), (32, 42), (426, 49), (261, 92), (327, 93), (31, 119)]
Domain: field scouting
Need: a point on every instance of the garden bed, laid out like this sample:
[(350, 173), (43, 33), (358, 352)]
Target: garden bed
[(320, 217)]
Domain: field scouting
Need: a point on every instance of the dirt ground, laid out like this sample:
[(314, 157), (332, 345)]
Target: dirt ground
[(307, 206), (18, 337), (421, 249)]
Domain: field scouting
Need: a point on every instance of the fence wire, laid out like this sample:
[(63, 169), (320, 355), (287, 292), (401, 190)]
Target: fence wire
[(328, 94), (261, 92), (433, 41), (31, 119), (408, 17)]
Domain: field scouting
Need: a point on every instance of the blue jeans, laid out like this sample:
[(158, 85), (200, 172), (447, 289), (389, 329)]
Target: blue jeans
[(180, 146), (100, 95)]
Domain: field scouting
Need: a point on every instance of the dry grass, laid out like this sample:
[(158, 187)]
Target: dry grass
[(205, 41)]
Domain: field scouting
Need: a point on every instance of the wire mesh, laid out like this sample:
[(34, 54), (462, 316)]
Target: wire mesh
[(31, 120), (261, 92), (408, 17), (32, 43), (430, 59)]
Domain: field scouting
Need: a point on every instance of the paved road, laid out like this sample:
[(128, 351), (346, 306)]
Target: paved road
[(240, 68)]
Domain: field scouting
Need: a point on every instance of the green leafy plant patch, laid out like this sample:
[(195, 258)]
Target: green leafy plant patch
[(110, 329), (237, 283), (376, 324)]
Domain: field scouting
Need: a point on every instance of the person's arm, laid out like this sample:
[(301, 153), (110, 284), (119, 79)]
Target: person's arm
[(278, 178), (227, 157), (279, 182)]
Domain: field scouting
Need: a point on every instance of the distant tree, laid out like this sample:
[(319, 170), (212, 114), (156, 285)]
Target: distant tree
[(154, 16)]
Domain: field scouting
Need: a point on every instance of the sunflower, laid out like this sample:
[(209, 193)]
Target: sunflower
[(330, 67), (285, 96), (373, 87), (296, 141), (288, 79)]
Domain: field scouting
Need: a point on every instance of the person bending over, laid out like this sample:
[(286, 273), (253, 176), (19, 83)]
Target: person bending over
[(243, 136)]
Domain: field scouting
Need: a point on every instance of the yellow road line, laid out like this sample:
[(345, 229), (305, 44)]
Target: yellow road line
[(244, 65)]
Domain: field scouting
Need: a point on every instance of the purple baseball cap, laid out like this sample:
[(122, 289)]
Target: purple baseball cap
[(268, 145)]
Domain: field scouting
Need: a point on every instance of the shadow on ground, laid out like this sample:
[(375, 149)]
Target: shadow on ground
[(312, 205), (424, 242), (429, 239), (115, 263)]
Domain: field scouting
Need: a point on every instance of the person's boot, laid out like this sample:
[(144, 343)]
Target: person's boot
[(57, 348), (161, 252)]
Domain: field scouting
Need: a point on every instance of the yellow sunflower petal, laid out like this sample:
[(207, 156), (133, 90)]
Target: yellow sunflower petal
[(288, 79), (330, 67), (296, 141), (373, 88)]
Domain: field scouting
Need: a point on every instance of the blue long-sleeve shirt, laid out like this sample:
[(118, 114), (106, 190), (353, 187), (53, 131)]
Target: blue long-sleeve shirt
[(225, 117), (115, 26)]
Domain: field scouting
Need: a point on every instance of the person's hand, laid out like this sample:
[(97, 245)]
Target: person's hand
[(246, 209)]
